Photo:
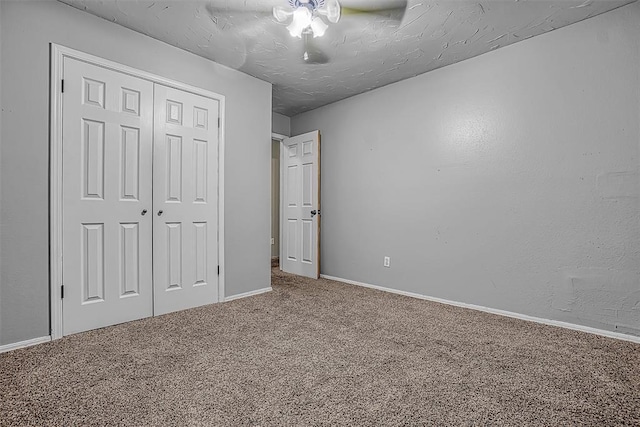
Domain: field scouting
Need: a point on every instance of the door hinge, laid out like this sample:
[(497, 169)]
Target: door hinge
[(218, 122), (62, 292), (62, 86), (218, 270)]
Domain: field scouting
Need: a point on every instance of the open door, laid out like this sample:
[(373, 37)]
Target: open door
[(300, 216)]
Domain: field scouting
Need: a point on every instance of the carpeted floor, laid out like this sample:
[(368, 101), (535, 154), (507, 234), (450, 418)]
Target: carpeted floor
[(320, 353)]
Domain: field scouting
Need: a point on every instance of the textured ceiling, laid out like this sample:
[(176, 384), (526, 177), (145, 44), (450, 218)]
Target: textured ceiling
[(363, 51)]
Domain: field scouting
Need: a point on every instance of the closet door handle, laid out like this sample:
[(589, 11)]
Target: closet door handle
[(160, 213), (144, 212)]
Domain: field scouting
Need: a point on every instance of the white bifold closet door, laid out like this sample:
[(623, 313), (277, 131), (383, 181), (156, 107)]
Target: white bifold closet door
[(185, 199), (107, 130), (140, 198)]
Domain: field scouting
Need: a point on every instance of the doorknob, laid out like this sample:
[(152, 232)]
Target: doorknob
[(160, 213), (144, 212), (315, 212)]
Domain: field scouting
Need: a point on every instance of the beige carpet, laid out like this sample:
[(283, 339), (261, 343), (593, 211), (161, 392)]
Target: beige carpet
[(321, 353)]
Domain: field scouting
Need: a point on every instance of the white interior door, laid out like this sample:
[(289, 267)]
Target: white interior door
[(301, 205), (185, 199), (107, 222)]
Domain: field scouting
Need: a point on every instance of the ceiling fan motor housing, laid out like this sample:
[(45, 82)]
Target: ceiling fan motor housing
[(309, 4)]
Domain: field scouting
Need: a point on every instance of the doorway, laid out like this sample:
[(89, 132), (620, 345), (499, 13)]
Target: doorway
[(275, 202), (298, 216)]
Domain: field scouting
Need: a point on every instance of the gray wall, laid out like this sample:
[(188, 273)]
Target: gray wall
[(26, 30), (280, 124), (509, 180)]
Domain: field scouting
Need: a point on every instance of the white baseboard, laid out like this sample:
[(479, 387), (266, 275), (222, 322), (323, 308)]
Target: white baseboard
[(34, 341), (248, 294), (22, 344), (573, 326)]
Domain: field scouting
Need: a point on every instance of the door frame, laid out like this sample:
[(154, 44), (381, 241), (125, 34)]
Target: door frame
[(58, 53), (280, 138)]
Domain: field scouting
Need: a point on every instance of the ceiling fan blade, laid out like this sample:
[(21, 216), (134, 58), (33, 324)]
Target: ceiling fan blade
[(281, 14), (226, 10), (392, 10), (313, 55)]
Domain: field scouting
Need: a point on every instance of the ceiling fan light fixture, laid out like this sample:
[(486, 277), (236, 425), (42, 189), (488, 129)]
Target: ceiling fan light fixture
[(332, 11), (302, 19), (318, 27)]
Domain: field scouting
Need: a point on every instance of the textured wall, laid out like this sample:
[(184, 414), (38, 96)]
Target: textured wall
[(27, 28), (509, 180)]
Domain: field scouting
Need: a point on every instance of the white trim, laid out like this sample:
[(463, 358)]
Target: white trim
[(58, 53), (134, 72), (221, 154), (282, 210), (566, 325), (280, 139), (55, 194), (22, 344), (248, 294)]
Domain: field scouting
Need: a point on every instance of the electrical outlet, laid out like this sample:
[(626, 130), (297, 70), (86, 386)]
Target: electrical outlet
[(386, 262), (273, 241)]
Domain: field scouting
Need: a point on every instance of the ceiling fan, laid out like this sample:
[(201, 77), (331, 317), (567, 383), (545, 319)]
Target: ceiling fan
[(310, 19)]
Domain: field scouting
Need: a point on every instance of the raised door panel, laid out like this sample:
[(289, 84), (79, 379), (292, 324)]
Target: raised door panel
[(130, 163), (94, 92), (293, 185), (306, 187), (200, 169), (130, 101), (174, 168), (292, 239), (93, 159), (174, 255), (201, 268), (129, 260), (92, 263), (307, 241)]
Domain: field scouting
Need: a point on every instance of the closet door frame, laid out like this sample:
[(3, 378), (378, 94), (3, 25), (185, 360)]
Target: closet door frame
[(58, 53)]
